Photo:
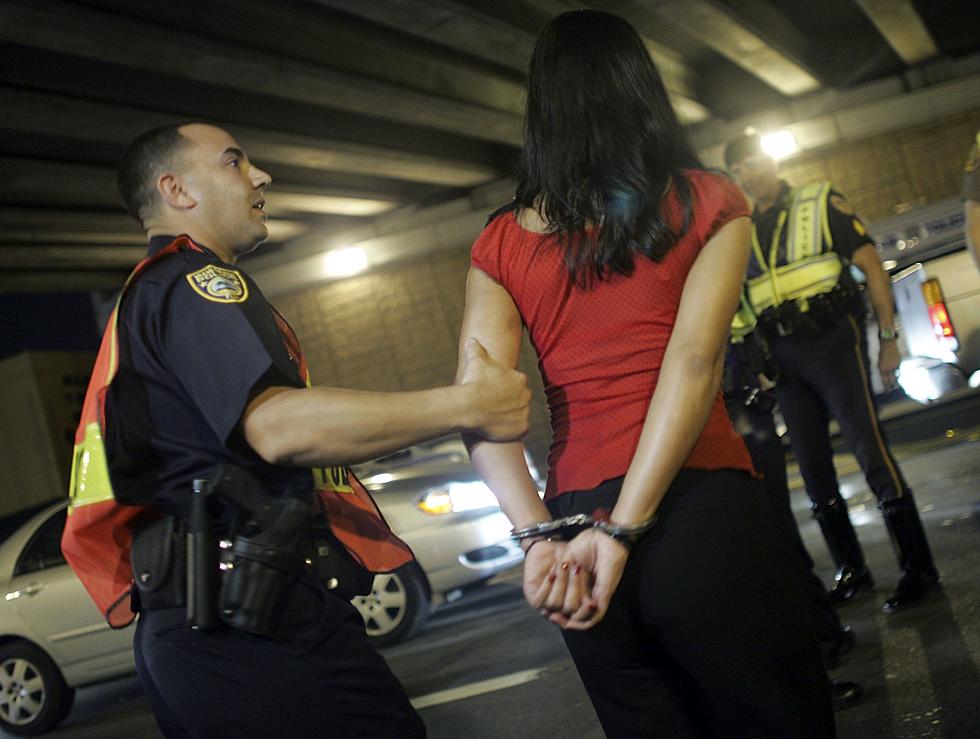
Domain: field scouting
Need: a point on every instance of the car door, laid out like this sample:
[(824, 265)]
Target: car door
[(49, 597)]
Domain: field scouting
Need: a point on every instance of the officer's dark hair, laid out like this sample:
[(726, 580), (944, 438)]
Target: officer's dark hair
[(744, 146), (146, 157), (601, 145)]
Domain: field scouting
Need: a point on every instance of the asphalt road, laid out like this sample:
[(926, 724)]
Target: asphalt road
[(488, 667)]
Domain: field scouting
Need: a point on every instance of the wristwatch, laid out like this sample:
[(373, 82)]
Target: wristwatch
[(887, 334)]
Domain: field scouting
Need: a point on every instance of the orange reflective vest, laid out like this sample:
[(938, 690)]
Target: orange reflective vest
[(99, 530)]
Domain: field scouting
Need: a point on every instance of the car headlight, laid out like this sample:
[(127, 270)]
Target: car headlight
[(456, 497)]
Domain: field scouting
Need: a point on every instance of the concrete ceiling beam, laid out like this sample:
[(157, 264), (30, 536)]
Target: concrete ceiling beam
[(106, 37), (61, 116), (902, 27), (719, 27)]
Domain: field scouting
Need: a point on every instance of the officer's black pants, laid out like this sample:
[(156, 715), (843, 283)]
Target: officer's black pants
[(759, 432), (707, 634), (325, 680), (825, 377)]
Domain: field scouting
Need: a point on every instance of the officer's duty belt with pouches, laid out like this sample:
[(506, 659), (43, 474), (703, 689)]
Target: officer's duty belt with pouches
[(243, 576)]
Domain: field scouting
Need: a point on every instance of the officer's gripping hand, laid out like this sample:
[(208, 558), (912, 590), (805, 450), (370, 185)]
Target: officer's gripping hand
[(498, 400)]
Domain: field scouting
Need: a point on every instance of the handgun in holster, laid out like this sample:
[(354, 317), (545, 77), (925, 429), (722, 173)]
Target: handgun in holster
[(256, 567)]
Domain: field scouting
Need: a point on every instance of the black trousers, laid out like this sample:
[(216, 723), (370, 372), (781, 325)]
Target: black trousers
[(707, 634), (319, 678), (759, 432), (826, 377)]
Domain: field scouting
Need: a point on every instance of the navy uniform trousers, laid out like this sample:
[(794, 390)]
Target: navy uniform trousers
[(317, 678), (827, 376), (707, 634)]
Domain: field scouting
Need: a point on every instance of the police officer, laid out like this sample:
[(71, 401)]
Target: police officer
[(800, 297), (198, 371), (971, 198)]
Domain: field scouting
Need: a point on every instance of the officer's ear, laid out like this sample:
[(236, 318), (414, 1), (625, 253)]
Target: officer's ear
[(174, 193)]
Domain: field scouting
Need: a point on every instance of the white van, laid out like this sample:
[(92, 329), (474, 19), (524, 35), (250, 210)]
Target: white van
[(937, 298)]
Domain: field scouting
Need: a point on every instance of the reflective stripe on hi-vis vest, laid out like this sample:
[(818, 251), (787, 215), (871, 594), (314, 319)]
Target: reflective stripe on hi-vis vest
[(811, 267), (99, 530)]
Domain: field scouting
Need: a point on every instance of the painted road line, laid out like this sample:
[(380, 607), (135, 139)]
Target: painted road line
[(474, 689)]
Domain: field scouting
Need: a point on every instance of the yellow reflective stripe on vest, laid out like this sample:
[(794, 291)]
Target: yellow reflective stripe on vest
[(802, 279), (90, 470), (809, 228)]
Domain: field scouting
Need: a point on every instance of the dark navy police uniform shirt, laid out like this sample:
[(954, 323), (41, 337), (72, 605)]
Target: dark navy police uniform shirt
[(197, 340)]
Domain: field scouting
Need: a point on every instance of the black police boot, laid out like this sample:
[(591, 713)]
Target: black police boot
[(844, 693), (852, 573), (919, 573)]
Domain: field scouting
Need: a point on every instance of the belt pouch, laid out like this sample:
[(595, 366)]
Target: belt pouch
[(157, 558)]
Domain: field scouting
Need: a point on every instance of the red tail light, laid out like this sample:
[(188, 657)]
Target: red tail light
[(942, 324)]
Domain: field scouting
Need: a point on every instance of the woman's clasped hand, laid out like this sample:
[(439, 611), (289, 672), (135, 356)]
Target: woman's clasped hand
[(571, 583)]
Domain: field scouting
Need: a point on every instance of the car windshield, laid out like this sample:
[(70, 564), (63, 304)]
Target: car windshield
[(10, 523)]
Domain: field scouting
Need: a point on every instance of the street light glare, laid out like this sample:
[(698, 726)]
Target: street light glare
[(779, 144), (345, 262)]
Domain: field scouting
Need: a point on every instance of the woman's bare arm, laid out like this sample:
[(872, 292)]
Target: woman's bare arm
[(491, 318), (691, 375)]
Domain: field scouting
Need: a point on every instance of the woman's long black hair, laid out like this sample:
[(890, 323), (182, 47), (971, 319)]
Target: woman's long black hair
[(601, 145)]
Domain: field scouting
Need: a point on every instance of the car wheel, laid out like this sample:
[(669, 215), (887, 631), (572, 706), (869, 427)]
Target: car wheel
[(397, 606), (33, 694)]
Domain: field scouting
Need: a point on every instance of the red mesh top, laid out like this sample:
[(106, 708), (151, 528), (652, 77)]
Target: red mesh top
[(600, 349)]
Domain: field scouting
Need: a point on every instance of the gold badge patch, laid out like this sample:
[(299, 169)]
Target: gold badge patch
[(219, 284)]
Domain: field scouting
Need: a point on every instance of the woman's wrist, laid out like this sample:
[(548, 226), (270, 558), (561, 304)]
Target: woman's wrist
[(526, 544)]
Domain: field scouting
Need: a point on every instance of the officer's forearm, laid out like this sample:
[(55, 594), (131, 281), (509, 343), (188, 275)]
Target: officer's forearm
[(317, 427)]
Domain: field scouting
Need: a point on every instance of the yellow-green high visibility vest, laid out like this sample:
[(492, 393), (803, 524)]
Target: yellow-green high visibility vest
[(811, 266)]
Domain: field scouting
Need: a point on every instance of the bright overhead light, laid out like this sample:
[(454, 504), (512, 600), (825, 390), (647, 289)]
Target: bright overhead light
[(889, 264), (779, 144), (345, 262)]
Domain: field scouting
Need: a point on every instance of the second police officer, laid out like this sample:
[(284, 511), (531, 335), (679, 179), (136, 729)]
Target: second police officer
[(801, 299)]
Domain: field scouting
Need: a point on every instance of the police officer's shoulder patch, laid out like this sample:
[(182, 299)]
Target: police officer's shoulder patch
[(219, 284), (842, 205)]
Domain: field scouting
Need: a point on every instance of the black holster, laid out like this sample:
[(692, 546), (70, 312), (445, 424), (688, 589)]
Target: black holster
[(259, 570)]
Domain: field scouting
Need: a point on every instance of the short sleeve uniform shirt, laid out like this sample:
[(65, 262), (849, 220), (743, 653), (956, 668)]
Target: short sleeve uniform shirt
[(197, 340)]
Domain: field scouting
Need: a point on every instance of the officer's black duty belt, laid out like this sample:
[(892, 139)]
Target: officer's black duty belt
[(244, 577)]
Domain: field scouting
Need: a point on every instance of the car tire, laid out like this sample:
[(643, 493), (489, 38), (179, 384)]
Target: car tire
[(33, 695), (397, 606)]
